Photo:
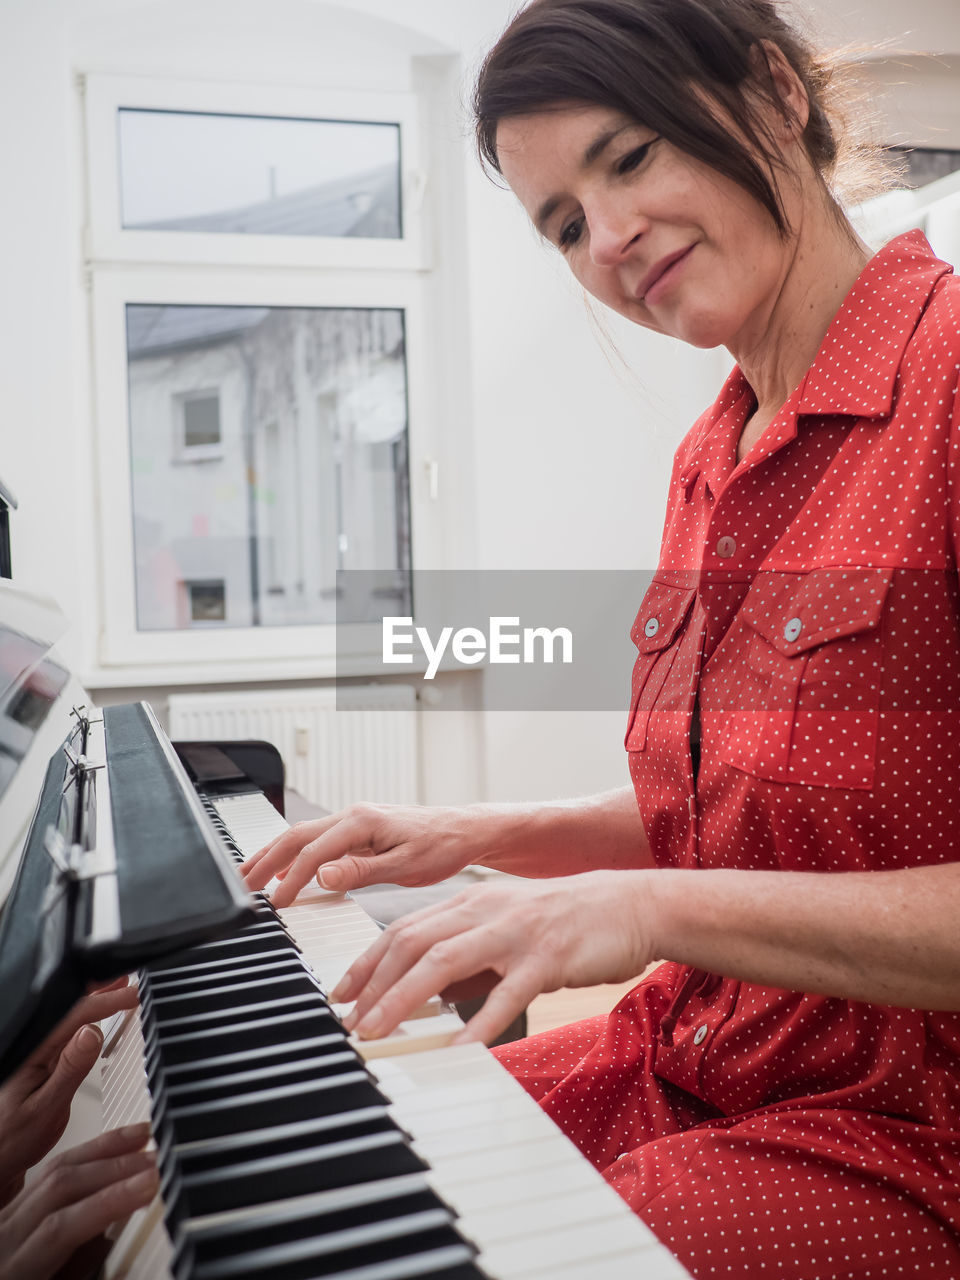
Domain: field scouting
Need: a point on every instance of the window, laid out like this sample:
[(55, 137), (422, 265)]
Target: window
[(303, 469), (196, 422), (926, 164), (258, 175), (258, 426), (208, 601)]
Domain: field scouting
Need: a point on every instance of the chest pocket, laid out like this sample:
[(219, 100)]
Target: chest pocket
[(656, 633), (807, 708)]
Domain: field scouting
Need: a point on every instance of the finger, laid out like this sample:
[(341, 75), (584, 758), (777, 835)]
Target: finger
[(64, 1183), (358, 976), (505, 1002), (113, 1142), (96, 1006), (76, 1060), (348, 836), (250, 864), (360, 972), (276, 856), (357, 871), (448, 960), (115, 985), (65, 1229)]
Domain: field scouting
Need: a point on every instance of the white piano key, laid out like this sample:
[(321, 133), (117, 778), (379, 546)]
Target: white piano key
[(527, 1217), (564, 1245), (651, 1264)]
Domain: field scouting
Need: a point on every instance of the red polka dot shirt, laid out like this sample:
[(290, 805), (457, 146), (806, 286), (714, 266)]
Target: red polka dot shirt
[(803, 629)]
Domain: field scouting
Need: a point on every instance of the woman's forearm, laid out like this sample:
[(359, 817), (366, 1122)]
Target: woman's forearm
[(564, 837), (884, 937)]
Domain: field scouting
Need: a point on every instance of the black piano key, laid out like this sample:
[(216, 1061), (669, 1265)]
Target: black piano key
[(249, 1071), (210, 1020), (409, 1236), (297, 1173), (215, 1153), (266, 924), (167, 1007), (195, 1037), (220, 1155), (454, 1262), (250, 961), (330, 1096), (286, 1051), (234, 1083), (282, 1222), (221, 980)]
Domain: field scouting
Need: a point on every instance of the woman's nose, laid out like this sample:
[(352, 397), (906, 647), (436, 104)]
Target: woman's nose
[(612, 233)]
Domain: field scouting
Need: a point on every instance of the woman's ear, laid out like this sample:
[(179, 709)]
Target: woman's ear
[(788, 87)]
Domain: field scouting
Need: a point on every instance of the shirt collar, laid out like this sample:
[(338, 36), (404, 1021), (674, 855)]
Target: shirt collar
[(855, 370), (856, 367)]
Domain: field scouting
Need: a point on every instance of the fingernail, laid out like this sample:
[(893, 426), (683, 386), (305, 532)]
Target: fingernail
[(350, 1021), (132, 1131), (341, 992), (330, 878), (370, 1025), (90, 1038), (143, 1181)]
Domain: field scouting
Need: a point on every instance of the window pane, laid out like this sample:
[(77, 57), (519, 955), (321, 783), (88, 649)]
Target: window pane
[(926, 164), (258, 175), (268, 451), (201, 420)]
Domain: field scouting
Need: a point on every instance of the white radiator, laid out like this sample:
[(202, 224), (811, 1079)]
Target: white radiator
[(360, 743)]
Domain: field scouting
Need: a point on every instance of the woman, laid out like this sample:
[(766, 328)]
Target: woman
[(781, 1097)]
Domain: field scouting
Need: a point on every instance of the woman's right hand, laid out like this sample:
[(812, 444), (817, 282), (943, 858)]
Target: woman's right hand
[(375, 844)]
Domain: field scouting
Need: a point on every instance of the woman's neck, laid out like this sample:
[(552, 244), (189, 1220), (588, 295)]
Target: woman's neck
[(776, 348)]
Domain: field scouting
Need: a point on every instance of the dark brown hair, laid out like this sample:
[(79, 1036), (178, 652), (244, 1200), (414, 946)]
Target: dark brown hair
[(661, 62)]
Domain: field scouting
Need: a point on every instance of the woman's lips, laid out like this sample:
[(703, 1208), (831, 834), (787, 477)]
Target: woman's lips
[(664, 275)]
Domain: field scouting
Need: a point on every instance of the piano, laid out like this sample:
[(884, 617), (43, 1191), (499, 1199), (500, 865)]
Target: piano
[(287, 1149)]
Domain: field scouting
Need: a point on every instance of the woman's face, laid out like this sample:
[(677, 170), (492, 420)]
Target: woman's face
[(655, 234)]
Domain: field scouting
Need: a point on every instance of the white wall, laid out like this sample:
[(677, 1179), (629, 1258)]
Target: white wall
[(559, 457)]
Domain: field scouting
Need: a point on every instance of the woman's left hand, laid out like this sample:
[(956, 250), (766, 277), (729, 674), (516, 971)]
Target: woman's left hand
[(538, 936)]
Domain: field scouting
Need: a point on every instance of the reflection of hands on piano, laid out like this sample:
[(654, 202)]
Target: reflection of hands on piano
[(55, 1226), (86, 1188), (576, 931), (35, 1102), (372, 844)]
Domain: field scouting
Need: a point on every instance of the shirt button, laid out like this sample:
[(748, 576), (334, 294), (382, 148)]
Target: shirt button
[(700, 1034), (726, 547), (652, 627), (792, 630)]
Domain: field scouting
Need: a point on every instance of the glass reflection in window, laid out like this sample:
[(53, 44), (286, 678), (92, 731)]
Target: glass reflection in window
[(290, 461)]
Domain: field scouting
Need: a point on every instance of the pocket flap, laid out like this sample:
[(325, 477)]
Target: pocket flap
[(661, 615), (796, 612)]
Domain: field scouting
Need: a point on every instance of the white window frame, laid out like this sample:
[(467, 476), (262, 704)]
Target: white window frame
[(127, 266), (128, 655), (110, 241)]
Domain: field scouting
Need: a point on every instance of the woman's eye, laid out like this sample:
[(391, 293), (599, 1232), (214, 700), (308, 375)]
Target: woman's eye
[(634, 158), (570, 234)]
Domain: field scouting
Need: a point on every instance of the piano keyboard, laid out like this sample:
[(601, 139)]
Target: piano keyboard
[(284, 1155)]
